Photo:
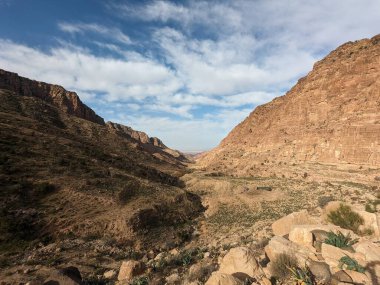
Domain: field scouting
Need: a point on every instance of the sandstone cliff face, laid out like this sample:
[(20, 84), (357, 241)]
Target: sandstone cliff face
[(330, 116), (136, 135), (67, 101)]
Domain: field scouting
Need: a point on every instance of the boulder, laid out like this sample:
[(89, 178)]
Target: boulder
[(110, 274), (239, 260), (340, 276), (371, 252), (130, 269), (66, 276), (332, 255), (218, 278), (370, 222), (313, 235), (283, 226), (172, 279), (358, 278), (320, 270), (278, 245)]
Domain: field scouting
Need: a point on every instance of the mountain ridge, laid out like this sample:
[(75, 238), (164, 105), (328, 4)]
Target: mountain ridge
[(331, 116)]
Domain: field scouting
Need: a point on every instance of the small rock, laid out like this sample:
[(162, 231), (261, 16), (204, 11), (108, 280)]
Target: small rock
[(130, 269), (159, 256), (239, 259), (321, 271), (218, 278), (68, 276), (110, 274), (206, 255), (172, 279), (340, 276)]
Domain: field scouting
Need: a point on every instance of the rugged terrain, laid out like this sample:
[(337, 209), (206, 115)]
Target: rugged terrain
[(125, 209), (331, 116), (66, 175)]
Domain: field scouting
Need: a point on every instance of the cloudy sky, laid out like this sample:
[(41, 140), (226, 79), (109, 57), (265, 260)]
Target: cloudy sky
[(185, 71)]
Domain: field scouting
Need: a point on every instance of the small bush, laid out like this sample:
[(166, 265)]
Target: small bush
[(281, 264), (129, 191), (44, 188), (349, 263), (302, 276), (324, 200), (340, 240), (370, 208), (346, 218), (141, 280)]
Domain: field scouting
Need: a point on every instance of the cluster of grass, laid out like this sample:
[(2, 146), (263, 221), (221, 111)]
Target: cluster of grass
[(281, 264), (340, 240), (346, 218), (349, 263), (371, 206), (184, 258)]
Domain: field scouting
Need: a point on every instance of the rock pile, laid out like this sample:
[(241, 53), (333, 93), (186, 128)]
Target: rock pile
[(311, 250)]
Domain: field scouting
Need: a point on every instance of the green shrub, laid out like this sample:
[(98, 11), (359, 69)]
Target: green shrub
[(340, 240), (141, 280), (324, 200), (346, 218), (370, 208), (129, 191), (281, 264), (302, 276), (349, 263)]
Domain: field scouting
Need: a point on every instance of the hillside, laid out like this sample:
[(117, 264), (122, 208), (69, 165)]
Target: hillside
[(330, 116), (66, 176)]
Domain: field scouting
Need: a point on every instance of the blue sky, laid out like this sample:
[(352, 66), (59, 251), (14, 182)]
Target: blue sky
[(184, 71)]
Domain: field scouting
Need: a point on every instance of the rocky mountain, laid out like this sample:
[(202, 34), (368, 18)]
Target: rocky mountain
[(330, 116), (70, 103), (66, 177)]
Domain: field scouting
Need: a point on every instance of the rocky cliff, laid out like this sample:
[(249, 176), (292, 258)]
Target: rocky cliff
[(67, 101), (70, 103), (332, 115), (136, 135)]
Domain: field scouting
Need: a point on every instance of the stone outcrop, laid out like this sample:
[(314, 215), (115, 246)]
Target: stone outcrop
[(332, 115), (239, 260), (140, 137), (130, 269), (67, 101)]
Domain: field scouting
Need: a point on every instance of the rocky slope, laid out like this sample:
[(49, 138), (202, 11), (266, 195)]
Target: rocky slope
[(70, 103), (68, 178), (332, 115)]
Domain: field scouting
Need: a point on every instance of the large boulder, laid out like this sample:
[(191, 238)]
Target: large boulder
[(283, 226), (239, 260), (66, 276), (218, 278), (307, 235), (332, 255), (130, 269), (278, 245), (371, 252), (358, 278), (320, 270), (370, 222)]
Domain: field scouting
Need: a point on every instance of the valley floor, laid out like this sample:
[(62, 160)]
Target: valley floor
[(238, 211)]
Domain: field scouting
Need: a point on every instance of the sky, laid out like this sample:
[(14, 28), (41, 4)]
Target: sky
[(184, 71)]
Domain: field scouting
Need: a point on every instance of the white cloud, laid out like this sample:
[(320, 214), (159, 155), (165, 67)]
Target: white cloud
[(78, 70), (114, 33)]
